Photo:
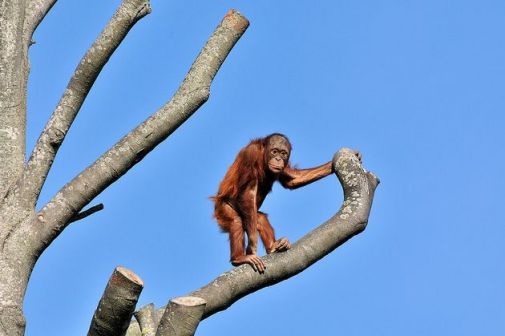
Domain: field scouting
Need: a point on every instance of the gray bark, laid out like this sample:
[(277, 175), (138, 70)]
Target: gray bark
[(24, 233), (12, 92), (19, 225), (352, 218), (181, 317), (13, 74), (117, 304), (147, 320), (86, 213), (88, 69), (36, 10), (193, 93)]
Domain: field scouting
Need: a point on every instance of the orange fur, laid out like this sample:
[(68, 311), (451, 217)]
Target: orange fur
[(244, 188)]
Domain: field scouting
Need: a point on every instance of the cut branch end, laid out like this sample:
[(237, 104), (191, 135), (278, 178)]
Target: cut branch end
[(233, 19), (182, 316), (117, 304)]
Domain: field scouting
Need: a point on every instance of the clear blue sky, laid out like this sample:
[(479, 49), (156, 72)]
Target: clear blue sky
[(416, 86)]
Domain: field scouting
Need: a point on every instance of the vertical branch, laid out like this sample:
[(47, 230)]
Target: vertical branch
[(13, 76), (115, 309), (42, 157)]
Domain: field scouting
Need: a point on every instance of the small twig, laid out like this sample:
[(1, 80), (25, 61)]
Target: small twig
[(86, 213)]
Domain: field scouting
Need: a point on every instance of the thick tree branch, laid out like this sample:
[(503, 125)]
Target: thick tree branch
[(181, 317), (12, 93), (117, 304), (358, 186), (193, 92), (351, 219), (42, 157)]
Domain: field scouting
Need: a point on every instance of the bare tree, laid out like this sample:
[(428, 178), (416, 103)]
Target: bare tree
[(25, 232)]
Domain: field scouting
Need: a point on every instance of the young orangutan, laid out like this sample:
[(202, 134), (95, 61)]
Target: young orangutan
[(244, 188)]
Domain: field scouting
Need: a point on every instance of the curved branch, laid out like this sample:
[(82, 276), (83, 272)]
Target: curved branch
[(351, 219), (36, 10), (90, 66), (193, 92), (358, 186)]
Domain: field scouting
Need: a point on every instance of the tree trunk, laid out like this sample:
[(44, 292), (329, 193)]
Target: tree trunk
[(13, 73), (25, 233), (15, 266)]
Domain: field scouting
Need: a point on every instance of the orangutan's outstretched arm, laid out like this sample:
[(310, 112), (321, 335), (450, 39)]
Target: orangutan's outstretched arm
[(292, 178)]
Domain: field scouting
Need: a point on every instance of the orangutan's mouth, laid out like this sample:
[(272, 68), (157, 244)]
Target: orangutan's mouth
[(275, 167)]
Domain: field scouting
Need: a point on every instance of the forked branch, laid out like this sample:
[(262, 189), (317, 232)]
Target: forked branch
[(193, 92), (36, 10), (358, 186), (90, 66)]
